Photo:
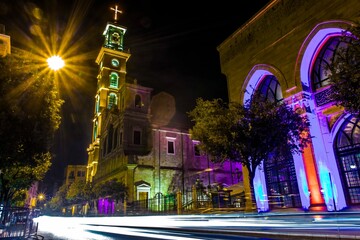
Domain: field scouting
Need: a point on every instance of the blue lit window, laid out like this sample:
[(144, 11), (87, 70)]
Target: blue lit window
[(95, 129), (269, 89), (320, 71), (97, 104), (112, 100), (114, 80), (347, 148)]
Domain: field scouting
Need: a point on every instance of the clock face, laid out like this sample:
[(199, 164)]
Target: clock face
[(115, 62)]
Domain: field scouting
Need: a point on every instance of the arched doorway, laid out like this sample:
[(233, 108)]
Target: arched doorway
[(347, 150), (280, 175)]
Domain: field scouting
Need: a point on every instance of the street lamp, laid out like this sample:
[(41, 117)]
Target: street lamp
[(41, 197), (55, 62)]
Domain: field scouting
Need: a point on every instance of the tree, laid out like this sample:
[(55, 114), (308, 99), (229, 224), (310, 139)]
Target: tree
[(75, 192), (112, 189), (345, 72), (59, 200), (249, 133), (29, 116), (80, 192)]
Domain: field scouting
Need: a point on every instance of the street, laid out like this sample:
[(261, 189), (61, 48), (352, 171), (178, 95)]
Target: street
[(345, 225)]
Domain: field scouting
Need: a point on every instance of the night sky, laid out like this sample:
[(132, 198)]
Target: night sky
[(172, 45)]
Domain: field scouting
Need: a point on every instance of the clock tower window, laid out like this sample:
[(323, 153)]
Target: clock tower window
[(112, 100), (114, 80), (97, 105), (95, 129)]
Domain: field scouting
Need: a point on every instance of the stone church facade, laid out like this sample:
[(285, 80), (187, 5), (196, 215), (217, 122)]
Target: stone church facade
[(137, 138), (282, 51)]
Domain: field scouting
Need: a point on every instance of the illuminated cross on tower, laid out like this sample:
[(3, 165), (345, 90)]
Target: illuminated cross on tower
[(116, 11)]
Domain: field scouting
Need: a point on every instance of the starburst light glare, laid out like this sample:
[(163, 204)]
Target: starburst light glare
[(55, 62)]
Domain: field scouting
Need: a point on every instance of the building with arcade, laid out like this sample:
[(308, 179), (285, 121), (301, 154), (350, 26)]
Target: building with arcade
[(283, 51)]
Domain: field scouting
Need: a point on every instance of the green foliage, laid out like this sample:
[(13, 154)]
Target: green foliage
[(112, 189), (59, 200), (19, 198), (345, 73), (29, 116), (248, 133), (80, 192), (213, 123)]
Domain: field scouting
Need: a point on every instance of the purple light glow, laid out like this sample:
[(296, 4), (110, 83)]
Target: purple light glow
[(322, 142), (106, 206)]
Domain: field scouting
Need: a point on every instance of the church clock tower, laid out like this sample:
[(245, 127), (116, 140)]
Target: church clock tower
[(121, 113)]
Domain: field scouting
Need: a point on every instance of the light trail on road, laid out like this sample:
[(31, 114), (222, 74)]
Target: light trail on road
[(185, 227)]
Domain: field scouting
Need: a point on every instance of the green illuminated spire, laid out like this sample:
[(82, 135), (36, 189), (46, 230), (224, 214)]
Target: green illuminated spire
[(114, 33)]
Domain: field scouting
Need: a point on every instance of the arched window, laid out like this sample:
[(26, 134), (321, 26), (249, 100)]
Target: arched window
[(97, 104), (269, 89), (320, 71), (138, 102), (114, 80), (347, 149), (112, 100), (281, 182), (95, 129)]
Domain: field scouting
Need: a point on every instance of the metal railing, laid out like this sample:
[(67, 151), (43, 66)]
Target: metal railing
[(17, 222), (160, 204)]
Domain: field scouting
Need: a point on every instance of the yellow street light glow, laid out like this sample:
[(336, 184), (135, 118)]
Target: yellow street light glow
[(41, 196), (55, 63)]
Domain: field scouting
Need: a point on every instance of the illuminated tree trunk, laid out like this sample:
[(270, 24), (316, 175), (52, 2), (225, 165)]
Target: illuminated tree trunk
[(250, 204)]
